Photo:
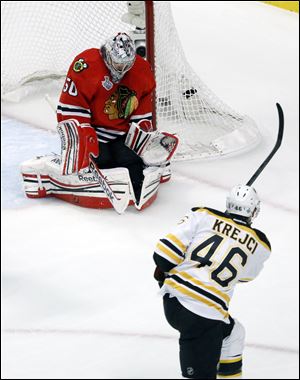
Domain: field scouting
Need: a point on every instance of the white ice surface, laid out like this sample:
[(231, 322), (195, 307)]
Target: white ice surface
[(78, 297)]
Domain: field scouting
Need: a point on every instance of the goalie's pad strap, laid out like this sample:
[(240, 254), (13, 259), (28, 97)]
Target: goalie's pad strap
[(77, 142)]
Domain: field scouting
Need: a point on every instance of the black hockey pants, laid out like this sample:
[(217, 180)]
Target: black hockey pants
[(116, 154), (200, 339)]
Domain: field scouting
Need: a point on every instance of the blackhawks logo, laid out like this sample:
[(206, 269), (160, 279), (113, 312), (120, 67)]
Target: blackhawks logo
[(121, 103), (80, 65)]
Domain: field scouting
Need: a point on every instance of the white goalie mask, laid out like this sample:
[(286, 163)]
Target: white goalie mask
[(119, 55), (243, 200)]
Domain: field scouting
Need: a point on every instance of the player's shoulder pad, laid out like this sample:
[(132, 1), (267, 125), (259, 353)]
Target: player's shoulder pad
[(262, 237), (86, 59), (211, 210), (197, 209)]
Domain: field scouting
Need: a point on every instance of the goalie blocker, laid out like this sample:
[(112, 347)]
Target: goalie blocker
[(73, 177)]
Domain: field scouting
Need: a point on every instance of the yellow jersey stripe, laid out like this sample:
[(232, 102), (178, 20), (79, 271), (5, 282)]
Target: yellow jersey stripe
[(227, 361), (169, 253), (197, 297), (175, 240), (245, 228), (229, 376), (197, 282)]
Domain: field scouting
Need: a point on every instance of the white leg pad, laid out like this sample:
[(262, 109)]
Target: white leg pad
[(35, 174), (150, 186), (166, 172), (42, 177)]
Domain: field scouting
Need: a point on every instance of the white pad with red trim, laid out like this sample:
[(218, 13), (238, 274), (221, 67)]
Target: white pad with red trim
[(42, 178), (152, 179), (77, 142), (154, 147)]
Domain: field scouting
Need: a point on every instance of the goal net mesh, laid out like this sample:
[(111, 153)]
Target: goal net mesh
[(41, 38)]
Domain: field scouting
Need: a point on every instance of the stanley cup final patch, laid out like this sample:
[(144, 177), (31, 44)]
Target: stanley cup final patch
[(80, 65), (106, 83)]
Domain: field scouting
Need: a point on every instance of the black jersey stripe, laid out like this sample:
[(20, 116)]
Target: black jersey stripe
[(99, 130), (172, 247), (200, 291), (105, 139), (73, 110), (137, 118)]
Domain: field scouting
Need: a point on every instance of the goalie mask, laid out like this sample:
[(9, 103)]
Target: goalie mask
[(119, 55), (243, 201)]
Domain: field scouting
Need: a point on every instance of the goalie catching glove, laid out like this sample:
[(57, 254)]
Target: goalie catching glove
[(154, 147)]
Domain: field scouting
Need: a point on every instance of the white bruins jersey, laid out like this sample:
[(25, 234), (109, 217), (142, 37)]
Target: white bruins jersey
[(205, 256)]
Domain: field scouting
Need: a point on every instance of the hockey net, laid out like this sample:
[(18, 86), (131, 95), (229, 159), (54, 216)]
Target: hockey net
[(40, 39)]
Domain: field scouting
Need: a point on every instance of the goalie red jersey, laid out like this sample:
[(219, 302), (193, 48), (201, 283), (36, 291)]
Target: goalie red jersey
[(90, 96)]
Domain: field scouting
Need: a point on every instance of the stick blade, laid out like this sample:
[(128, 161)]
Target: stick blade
[(276, 146)]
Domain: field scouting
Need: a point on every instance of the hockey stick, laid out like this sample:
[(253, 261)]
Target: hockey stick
[(274, 150), (50, 102), (119, 205)]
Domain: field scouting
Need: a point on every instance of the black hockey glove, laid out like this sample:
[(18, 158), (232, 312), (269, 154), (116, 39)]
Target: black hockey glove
[(159, 276)]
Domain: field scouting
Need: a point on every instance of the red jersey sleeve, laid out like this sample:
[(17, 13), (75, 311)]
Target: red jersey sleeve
[(78, 89)]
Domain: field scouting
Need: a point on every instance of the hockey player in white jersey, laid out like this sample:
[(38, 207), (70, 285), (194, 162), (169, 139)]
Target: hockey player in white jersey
[(198, 265)]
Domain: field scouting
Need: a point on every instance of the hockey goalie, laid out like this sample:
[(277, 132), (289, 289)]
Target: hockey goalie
[(111, 156)]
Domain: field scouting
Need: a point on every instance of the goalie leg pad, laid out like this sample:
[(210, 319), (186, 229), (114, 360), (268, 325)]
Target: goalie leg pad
[(84, 190), (35, 175), (150, 187), (42, 178), (166, 173), (77, 142)]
